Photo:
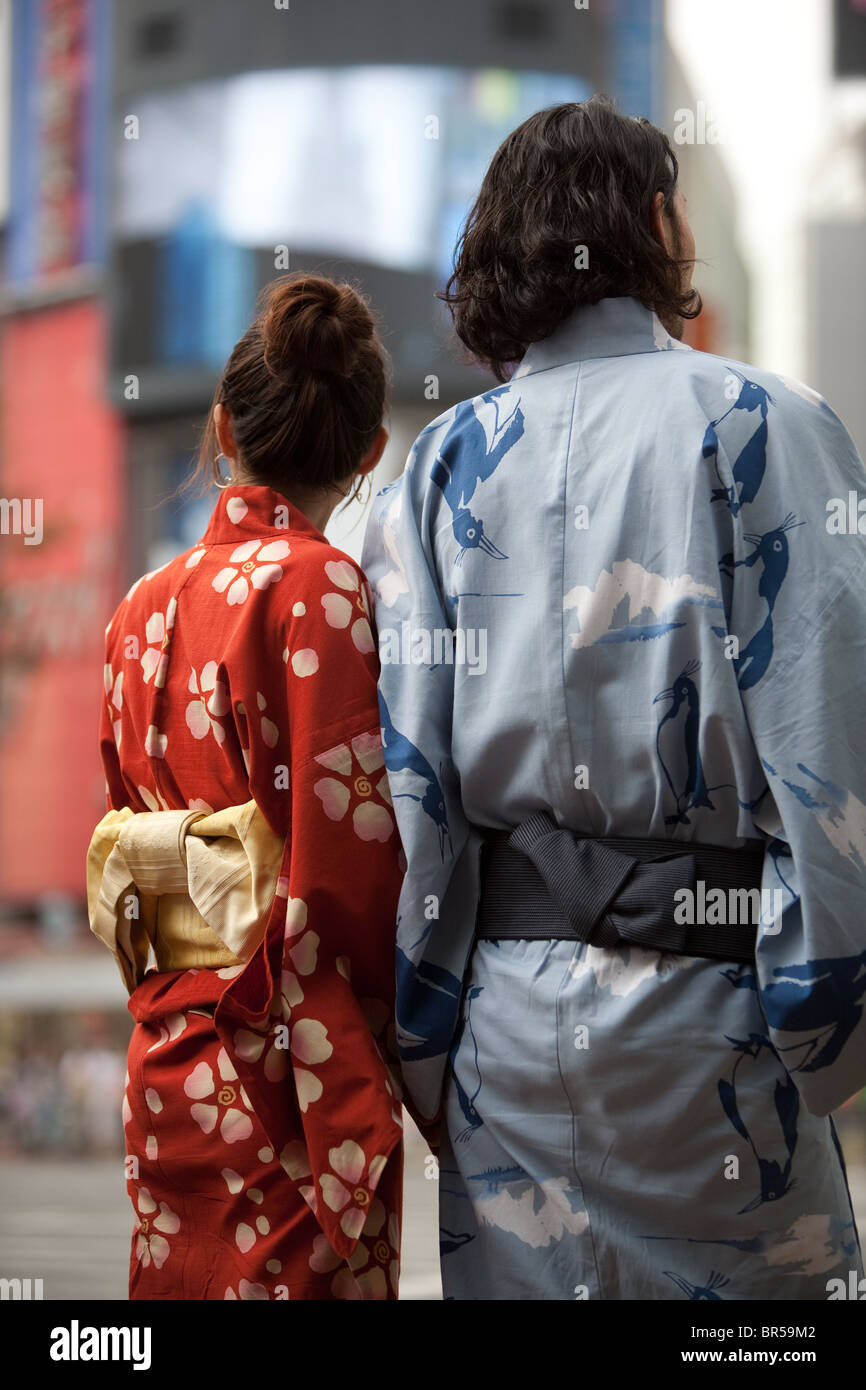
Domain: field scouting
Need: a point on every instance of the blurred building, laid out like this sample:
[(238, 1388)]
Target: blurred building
[(61, 461), (835, 218), (721, 274)]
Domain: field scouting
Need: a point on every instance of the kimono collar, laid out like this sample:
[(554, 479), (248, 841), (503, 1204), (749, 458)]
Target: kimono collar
[(251, 509), (611, 328)]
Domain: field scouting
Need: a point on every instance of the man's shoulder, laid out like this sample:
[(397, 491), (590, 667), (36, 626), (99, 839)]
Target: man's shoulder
[(743, 386)]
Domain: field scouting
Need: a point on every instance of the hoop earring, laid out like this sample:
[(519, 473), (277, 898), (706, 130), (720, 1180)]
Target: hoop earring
[(356, 494), (217, 477)]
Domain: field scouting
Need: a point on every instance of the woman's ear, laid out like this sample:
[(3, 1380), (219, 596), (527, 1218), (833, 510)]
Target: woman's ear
[(224, 431), (374, 453)]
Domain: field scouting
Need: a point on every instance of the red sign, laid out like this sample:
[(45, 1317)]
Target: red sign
[(61, 521), (62, 77)]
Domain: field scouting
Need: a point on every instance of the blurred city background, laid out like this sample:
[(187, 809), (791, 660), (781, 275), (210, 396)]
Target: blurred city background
[(159, 162)]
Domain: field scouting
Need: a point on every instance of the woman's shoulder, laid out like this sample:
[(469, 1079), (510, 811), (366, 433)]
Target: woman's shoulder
[(146, 592)]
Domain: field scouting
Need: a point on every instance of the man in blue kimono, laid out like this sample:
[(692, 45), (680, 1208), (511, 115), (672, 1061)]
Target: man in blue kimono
[(623, 640)]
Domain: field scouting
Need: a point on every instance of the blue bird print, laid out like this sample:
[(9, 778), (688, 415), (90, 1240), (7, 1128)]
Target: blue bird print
[(468, 458), (494, 1178), (453, 1240), (751, 463), (467, 1102), (401, 755), (700, 1292), (772, 553), (823, 998), (775, 1176), (428, 997), (787, 1251), (677, 746), (778, 849)]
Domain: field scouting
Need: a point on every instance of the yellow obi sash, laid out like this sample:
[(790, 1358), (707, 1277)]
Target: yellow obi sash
[(184, 888)]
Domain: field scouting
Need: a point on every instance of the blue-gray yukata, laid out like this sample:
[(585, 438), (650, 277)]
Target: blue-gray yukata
[(660, 630)]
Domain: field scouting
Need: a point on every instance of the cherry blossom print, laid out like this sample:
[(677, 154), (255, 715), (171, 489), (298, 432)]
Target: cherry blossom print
[(305, 661), (324, 1258), (368, 1286), (236, 510), (155, 743), (151, 1244), (310, 1042), (195, 557), (308, 1087), (229, 972), (211, 703), (233, 1181), (341, 610), (114, 695), (377, 1250), (246, 1235), (251, 563), (371, 819), (270, 734), (343, 1190), (171, 1028), (252, 1047), (157, 631), (295, 1160), (361, 1277), (152, 800), (234, 1125), (246, 1289), (303, 955), (291, 993)]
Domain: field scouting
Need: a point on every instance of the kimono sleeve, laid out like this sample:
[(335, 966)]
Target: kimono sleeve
[(330, 938), (110, 718), (435, 916), (799, 608), (346, 859)]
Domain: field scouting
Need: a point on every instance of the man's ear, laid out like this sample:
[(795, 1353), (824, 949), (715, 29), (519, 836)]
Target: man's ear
[(661, 224)]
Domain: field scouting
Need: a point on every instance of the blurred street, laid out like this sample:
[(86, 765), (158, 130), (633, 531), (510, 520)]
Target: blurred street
[(69, 1224)]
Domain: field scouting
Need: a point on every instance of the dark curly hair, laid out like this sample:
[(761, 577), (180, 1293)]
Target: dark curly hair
[(571, 175)]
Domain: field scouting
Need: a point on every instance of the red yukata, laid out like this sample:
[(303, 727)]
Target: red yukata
[(262, 1113)]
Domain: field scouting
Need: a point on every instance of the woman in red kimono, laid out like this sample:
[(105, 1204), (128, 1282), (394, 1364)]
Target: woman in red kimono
[(263, 1122)]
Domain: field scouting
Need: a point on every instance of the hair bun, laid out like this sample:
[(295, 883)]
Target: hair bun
[(311, 323)]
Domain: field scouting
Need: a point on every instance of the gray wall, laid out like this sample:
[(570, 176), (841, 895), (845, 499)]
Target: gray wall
[(836, 319)]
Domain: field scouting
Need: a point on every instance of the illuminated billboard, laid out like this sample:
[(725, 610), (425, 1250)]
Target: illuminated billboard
[(222, 184)]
